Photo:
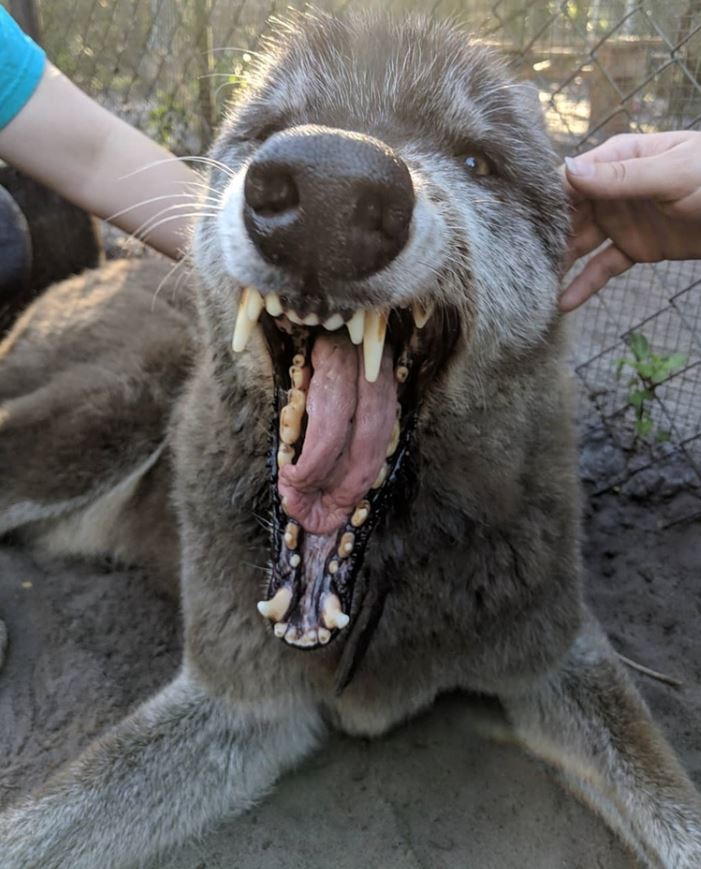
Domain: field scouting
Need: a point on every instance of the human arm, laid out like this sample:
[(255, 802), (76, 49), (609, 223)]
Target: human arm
[(68, 142), (642, 194)]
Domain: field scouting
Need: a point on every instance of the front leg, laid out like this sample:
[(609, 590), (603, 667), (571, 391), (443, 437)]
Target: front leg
[(587, 719), (181, 761)]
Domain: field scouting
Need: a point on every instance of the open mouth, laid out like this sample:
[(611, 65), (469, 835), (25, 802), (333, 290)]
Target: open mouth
[(347, 394)]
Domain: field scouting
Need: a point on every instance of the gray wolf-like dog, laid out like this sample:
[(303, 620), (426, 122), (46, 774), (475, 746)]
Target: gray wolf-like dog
[(374, 366)]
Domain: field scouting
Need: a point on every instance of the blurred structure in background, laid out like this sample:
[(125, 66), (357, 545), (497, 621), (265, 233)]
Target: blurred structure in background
[(601, 66)]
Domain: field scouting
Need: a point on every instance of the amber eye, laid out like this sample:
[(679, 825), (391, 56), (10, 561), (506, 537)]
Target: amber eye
[(477, 165)]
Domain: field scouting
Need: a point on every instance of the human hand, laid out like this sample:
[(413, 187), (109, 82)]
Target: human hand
[(642, 193)]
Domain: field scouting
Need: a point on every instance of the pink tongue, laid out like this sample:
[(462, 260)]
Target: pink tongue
[(350, 422)]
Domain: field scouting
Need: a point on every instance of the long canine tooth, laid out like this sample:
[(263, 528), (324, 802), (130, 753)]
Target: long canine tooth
[(356, 326), (294, 317), (360, 514), (394, 440), (244, 327), (422, 313), (373, 343), (335, 321), (311, 320), (255, 305), (273, 305), (275, 608), (332, 615), (345, 546)]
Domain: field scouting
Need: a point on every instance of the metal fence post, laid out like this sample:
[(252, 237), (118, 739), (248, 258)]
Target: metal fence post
[(204, 66), (26, 14)]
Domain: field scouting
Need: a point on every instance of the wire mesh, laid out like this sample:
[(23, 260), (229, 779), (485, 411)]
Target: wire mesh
[(601, 67)]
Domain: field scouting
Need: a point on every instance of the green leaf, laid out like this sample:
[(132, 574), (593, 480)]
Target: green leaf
[(643, 426), (639, 345), (638, 397), (662, 436)]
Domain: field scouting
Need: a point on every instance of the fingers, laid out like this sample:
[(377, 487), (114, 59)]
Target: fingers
[(641, 178), (596, 273), (629, 146), (584, 240)]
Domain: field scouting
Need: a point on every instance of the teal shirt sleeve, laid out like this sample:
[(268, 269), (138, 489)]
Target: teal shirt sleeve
[(21, 66)]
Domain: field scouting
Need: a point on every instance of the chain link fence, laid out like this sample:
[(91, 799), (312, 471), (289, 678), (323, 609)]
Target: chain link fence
[(601, 67)]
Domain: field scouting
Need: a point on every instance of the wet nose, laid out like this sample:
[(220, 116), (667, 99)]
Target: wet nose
[(327, 203)]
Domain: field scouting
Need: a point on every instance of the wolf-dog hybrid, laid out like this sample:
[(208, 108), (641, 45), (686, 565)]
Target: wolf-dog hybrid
[(369, 394)]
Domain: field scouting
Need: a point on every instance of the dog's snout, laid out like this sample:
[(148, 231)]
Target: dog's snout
[(328, 203)]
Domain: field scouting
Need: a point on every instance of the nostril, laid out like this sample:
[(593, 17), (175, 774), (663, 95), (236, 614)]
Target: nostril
[(269, 193), (374, 213)]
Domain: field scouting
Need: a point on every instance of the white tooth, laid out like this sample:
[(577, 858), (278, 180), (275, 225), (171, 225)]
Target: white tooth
[(360, 514), (273, 305), (401, 373), (255, 305), (422, 313), (280, 629), (290, 423), (293, 317), (324, 636), (295, 560), (374, 343), (345, 546), (291, 535), (311, 320), (332, 615), (394, 440), (333, 566), (244, 327), (275, 608), (298, 360), (334, 322), (285, 454), (381, 477), (356, 326)]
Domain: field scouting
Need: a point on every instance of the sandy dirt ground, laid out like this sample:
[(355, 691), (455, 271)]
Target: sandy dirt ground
[(86, 643)]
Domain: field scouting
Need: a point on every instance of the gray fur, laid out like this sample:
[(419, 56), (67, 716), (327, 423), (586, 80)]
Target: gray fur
[(486, 565)]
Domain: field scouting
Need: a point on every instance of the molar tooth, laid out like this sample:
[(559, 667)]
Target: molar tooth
[(291, 535), (290, 424), (360, 514), (324, 636), (311, 320), (401, 373), (298, 360), (381, 477), (345, 546), (373, 343), (285, 454), (244, 327), (394, 440), (297, 399), (422, 313), (335, 321), (356, 326), (275, 608), (280, 629), (295, 560), (254, 305), (331, 613), (294, 317), (296, 377), (273, 305)]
